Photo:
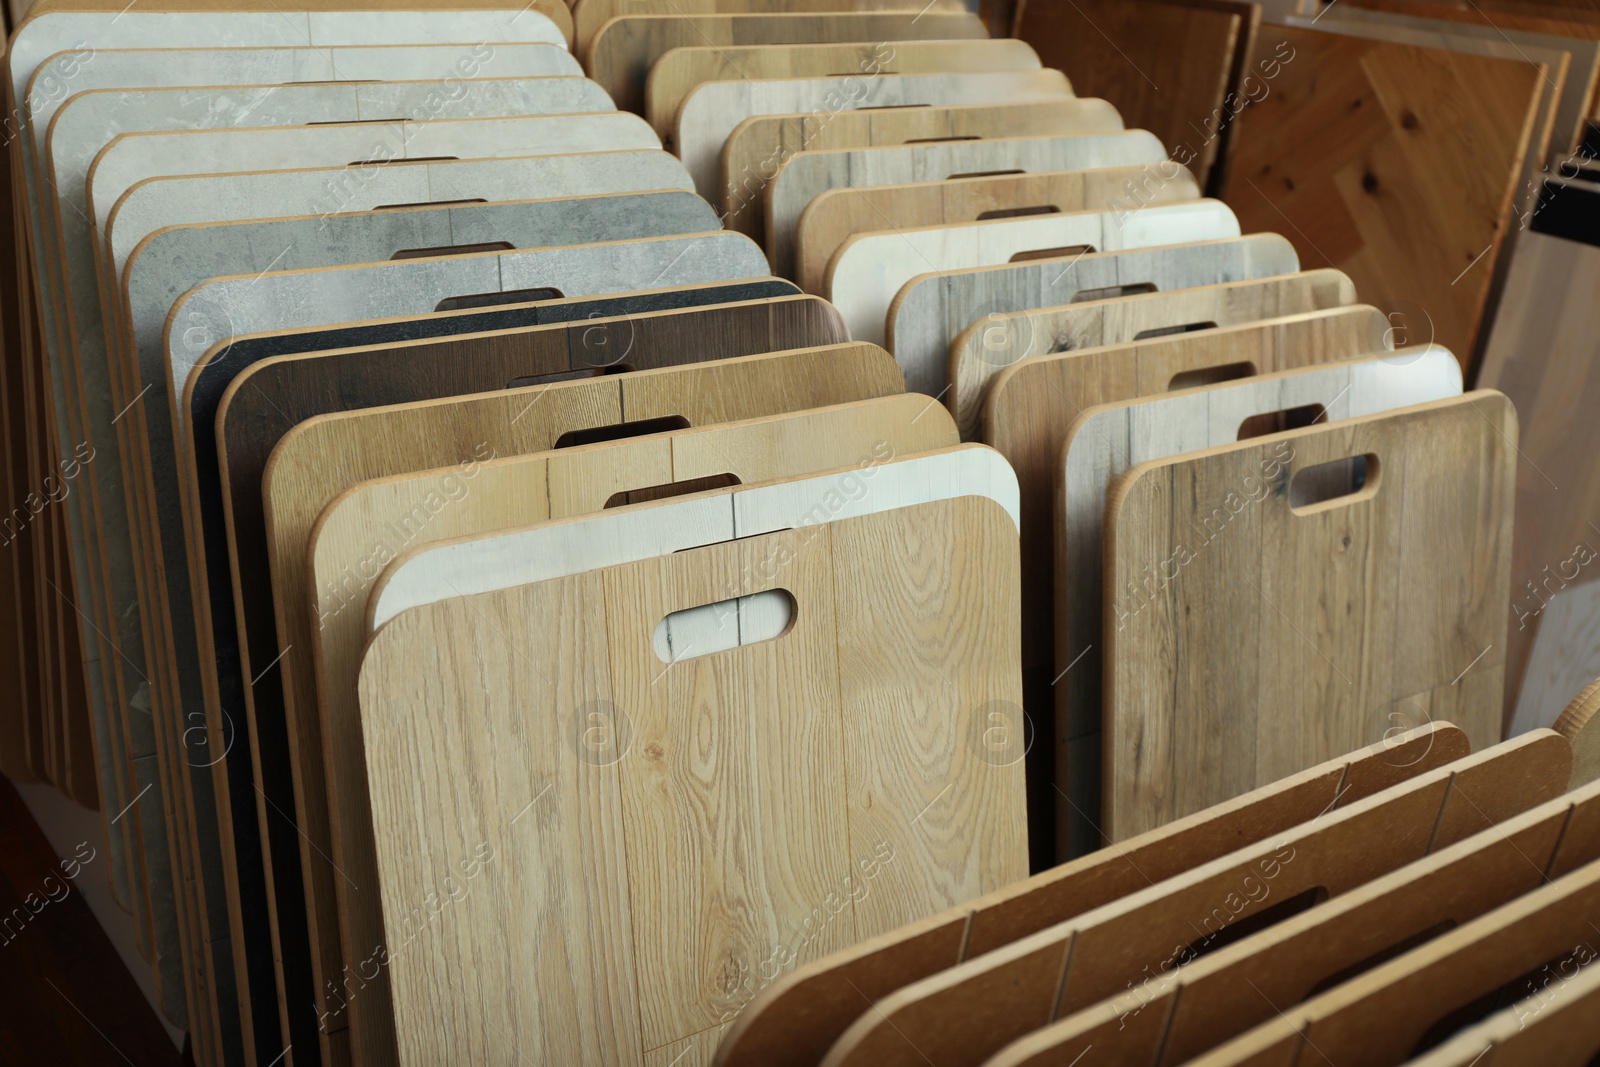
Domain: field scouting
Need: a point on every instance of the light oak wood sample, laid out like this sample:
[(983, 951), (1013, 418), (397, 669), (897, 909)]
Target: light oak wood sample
[(1372, 632), (620, 54), (758, 147), (807, 174), (680, 71), (1103, 442), (798, 1016), (869, 269), (371, 523), (838, 214), (932, 309), (1079, 962), (1202, 1003), (1341, 180), (589, 15), (847, 765), (996, 341), (343, 448), (710, 112)]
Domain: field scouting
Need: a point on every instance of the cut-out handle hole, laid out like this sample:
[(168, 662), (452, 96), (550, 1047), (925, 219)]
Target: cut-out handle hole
[(1333, 484), (1226, 372), (567, 375), (1018, 212), (726, 624), (1279, 421), (1223, 929), (1112, 292), (453, 250), (489, 300), (983, 174), (1168, 331), (621, 430), (670, 489), (1052, 253)]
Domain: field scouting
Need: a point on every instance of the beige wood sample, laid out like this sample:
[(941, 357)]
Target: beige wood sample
[(804, 175), (1103, 442), (1075, 964), (868, 269), (620, 54), (994, 342), (759, 147), (322, 457), (1199, 1004), (834, 216), (1329, 603), (710, 112), (798, 1016), (680, 71), (589, 15), (372, 523), (1574, 723)]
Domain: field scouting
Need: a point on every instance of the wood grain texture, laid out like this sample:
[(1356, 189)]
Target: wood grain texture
[(807, 174), (988, 346), (1554, 1028), (932, 309), (1346, 183), (838, 214), (444, 432), (1031, 407), (1079, 962), (1165, 67), (1574, 724), (680, 71), (1373, 633), (372, 523), (798, 1016), (589, 15), (711, 111), (869, 269), (621, 53), (835, 728), (1105, 441)]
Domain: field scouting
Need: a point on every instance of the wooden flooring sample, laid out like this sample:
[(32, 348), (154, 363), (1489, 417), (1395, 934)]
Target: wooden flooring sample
[(1166, 67), (840, 738), (808, 174), (1105, 441), (620, 54), (995, 342), (680, 71), (1410, 192), (1334, 622), (758, 147), (709, 113), (868, 270), (930, 311), (589, 15)]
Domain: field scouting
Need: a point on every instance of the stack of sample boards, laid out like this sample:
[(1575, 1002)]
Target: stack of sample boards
[(550, 518)]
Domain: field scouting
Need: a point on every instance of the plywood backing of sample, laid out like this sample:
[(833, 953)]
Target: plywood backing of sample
[(424, 436), (1335, 619), (816, 780), (1396, 164), (1166, 67), (795, 1019), (621, 53), (679, 71), (374, 522), (590, 15), (834, 216)]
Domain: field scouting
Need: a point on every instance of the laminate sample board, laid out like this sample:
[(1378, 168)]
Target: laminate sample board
[(1165, 67), (620, 54), (680, 71), (590, 15), (868, 270), (810, 173), (1540, 352), (796, 1018), (711, 111), (255, 415), (1105, 441), (838, 214), (858, 813), (930, 311), (1411, 639), (1347, 183), (995, 342), (375, 522)]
